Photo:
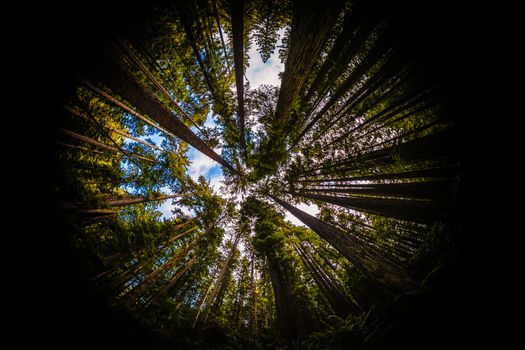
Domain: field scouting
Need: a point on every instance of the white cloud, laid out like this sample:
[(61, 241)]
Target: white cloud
[(200, 163), (311, 209), (259, 73), (215, 182)]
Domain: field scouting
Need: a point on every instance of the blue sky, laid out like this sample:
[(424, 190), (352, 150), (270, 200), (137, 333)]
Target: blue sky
[(258, 73)]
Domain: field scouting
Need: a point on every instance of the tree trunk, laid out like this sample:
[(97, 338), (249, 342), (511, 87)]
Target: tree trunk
[(410, 210), (157, 274), (121, 81), (237, 14), (253, 302), (286, 319), (435, 173), (116, 202), (224, 272), (138, 62), (102, 145), (313, 21), (416, 190), (175, 278), (364, 257)]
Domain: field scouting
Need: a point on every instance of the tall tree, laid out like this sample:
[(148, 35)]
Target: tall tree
[(120, 80), (388, 272)]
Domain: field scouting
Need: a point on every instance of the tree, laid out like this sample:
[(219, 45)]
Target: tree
[(121, 81)]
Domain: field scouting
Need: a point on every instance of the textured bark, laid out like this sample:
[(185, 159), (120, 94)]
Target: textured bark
[(365, 257), (121, 81), (312, 23), (138, 62), (416, 190), (409, 210), (286, 319), (237, 14)]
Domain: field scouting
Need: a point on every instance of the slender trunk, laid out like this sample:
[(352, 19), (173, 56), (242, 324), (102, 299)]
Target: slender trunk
[(350, 24), (157, 274), (332, 291), (372, 58), (175, 278), (173, 239), (126, 135), (76, 112), (437, 145), (253, 302), (103, 146), (222, 276), (217, 19), (119, 202), (203, 300)]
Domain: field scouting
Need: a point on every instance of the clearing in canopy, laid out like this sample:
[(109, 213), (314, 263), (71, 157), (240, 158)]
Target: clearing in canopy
[(202, 209)]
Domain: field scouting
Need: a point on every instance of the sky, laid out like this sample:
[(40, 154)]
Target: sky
[(257, 73)]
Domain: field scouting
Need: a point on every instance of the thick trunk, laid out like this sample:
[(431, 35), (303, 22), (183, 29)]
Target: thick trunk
[(364, 257), (409, 210), (434, 173), (138, 62), (237, 14), (286, 319), (121, 81), (417, 190), (313, 21)]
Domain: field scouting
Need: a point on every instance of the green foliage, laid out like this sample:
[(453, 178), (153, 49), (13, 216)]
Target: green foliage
[(162, 272)]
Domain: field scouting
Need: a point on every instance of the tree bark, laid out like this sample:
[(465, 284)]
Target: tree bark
[(121, 81), (312, 23), (389, 273), (237, 13)]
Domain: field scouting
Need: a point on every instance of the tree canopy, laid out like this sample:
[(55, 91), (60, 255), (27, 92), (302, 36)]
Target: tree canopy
[(361, 127)]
